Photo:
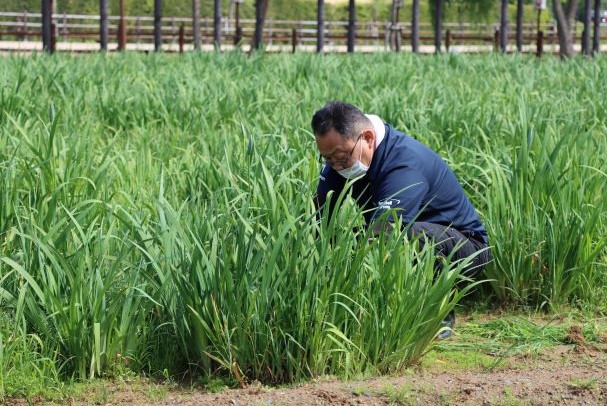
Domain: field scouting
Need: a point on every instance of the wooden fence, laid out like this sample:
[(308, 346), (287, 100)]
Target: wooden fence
[(82, 33)]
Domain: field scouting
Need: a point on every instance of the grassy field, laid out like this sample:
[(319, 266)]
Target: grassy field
[(156, 211)]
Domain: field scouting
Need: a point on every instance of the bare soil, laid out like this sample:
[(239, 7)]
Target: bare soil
[(573, 374)]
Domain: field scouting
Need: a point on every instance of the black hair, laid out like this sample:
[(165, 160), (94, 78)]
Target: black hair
[(344, 118)]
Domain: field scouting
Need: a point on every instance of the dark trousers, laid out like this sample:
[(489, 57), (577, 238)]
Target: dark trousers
[(448, 240)]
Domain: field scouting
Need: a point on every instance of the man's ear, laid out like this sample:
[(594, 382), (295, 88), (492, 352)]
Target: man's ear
[(369, 136)]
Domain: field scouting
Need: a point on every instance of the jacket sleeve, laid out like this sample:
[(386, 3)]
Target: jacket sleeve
[(329, 180)]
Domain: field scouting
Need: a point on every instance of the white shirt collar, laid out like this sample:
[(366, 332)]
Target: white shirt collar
[(378, 126)]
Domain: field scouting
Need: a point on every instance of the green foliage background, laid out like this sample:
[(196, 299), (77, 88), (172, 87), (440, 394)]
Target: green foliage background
[(455, 11)]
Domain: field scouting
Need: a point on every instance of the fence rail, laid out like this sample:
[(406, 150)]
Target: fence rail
[(280, 35)]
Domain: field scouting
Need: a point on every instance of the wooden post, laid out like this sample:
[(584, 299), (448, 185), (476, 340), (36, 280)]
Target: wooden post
[(103, 27), (585, 39), (181, 37), (351, 25), (238, 36), (196, 23), (540, 44), (399, 31), (504, 26), (393, 20), (586, 30), (519, 25), (415, 27), (320, 27), (294, 39), (438, 26), (122, 29), (158, 25), (217, 24), (53, 37), (398, 35), (46, 11), (448, 40), (395, 30), (597, 27), (260, 13), (496, 40)]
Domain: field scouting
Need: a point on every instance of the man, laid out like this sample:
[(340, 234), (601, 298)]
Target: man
[(393, 171)]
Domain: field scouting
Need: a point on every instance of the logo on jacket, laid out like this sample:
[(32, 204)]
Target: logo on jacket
[(322, 169), (388, 204)]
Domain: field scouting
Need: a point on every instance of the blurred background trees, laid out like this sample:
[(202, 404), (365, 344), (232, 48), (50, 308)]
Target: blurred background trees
[(366, 10)]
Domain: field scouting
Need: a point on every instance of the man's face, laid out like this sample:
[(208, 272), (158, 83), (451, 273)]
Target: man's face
[(341, 153)]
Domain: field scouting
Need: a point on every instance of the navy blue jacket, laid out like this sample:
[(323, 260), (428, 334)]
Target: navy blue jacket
[(407, 175)]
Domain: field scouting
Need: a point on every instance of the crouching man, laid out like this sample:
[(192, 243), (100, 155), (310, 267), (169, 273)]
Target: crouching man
[(394, 171)]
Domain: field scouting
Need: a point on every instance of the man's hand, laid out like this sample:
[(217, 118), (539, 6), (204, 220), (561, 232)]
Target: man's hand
[(381, 227)]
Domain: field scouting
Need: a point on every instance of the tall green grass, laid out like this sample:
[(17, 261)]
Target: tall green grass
[(159, 209)]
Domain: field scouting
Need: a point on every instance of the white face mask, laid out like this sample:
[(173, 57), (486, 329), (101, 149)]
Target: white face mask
[(357, 170)]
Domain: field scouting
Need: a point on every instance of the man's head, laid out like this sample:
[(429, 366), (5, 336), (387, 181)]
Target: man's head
[(344, 135)]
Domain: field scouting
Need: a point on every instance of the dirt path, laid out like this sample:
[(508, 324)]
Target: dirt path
[(563, 375), (471, 368)]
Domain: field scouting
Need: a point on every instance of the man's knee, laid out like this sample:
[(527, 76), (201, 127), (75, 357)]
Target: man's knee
[(451, 243)]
